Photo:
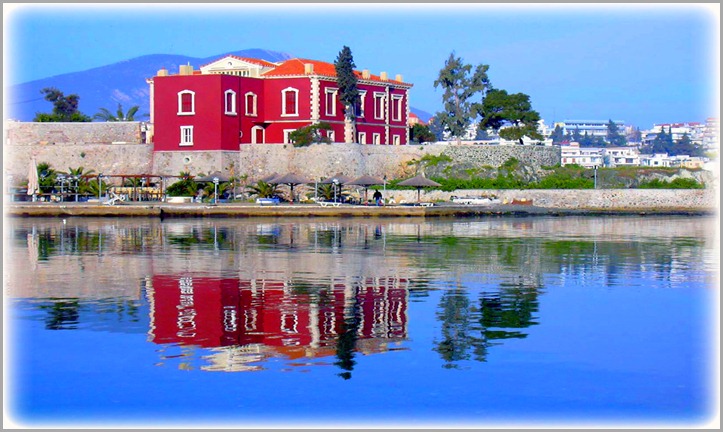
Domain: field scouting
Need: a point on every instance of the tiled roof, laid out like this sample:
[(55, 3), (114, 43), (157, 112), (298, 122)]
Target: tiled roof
[(259, 62), (295, 67)]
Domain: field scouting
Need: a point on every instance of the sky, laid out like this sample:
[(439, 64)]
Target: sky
[(642, 64)]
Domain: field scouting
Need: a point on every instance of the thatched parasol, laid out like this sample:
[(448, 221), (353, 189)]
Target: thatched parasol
[(419, 181), (366, 181), (292, 180), (222, 178)]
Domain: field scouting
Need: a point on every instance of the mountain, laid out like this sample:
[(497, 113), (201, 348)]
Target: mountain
[(423, 115), (123, 82), (106, 86)]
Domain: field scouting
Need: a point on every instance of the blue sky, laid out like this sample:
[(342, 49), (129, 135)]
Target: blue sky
[(642, 64)]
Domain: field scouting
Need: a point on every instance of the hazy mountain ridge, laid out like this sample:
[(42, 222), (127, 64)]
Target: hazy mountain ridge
[(121, 82)]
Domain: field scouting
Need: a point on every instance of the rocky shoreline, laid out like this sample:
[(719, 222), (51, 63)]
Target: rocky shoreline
[(245, 210)]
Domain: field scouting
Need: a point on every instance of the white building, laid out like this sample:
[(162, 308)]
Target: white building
[(592, 127), (588, 157), (621, 156), (656, 160)]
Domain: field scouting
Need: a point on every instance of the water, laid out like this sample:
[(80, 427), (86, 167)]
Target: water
[(374, 322)]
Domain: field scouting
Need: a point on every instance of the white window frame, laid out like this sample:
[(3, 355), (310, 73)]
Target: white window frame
[(283, 102), (376, 138), (186, 133), (330, 109), (229, 110), (362, 137), (251, 111), (287, 137), (331, 135), (180, 102), (397, 107), (362, 105), (379, 102), (397, 139), (253, 135)]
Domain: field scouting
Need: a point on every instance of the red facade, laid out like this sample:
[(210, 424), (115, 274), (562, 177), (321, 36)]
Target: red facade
[(255, 102)]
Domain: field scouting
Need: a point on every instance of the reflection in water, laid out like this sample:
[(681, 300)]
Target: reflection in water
[(236, 294)]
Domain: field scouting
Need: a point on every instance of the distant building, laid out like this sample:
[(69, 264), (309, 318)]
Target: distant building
[(591, 127), (711, 134), (621, 156), (661, 160), (588, 157), (235, 101)]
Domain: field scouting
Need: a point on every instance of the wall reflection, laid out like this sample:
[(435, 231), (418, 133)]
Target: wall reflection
[(247, 321)]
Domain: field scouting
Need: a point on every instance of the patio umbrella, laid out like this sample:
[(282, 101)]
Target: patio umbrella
[(340, 178), (292, 180), (33, 183), (419, 181), (269, 178), (209, 178), (366, 181)]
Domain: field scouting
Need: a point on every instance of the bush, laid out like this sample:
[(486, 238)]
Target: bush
[(679, 183)]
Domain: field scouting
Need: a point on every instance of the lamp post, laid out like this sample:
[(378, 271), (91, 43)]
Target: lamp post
[(61, 180), (336, 184), (595, 181), (100, 185), (215, 190)]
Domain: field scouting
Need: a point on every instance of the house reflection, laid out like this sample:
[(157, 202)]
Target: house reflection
[(247, 321)]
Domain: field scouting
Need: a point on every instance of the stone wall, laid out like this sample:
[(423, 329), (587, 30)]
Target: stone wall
[(29, 133)]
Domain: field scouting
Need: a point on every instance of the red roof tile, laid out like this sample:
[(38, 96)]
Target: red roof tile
[(296, 67)]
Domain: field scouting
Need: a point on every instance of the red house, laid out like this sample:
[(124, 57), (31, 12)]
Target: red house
[(235, 101)]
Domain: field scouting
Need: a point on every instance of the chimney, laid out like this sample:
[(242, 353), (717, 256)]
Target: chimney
[(399, 78), (162, 72), (185, 70), (383, 76), (308, 68), (366, 74)]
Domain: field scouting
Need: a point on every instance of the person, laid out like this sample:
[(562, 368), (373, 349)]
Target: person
[(378, 197)]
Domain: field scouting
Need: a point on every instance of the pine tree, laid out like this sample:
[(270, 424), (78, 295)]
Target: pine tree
[(348, 91)]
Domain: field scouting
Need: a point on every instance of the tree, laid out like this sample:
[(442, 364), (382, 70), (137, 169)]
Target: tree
[(436, 128), (614, 137), (348, 91), (263, 190), (421, 133), (510, 114), (558, 135), (106, 115), (576, 136), (65, 108), (308, 135), (459, 88)]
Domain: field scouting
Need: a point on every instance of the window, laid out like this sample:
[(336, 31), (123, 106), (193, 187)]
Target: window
[(362, 137), (330, 101), (330, 135), (230, 102), (396, 139), (360, 104), (379, 105), (250, 104), (290, 98), (396, 107), (186, 102), (376, 138), (186, 136), (287, 135)]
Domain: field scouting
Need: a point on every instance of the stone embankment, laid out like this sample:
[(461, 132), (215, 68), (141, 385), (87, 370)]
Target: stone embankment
[(516, 202)]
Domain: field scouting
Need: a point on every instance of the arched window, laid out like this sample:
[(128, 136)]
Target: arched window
[(186, 102), (290, 102), (250, 104), (230, 102)]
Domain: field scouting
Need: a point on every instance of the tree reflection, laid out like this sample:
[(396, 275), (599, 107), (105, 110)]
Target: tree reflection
[(469, 332), (346, 343), (62, 314)]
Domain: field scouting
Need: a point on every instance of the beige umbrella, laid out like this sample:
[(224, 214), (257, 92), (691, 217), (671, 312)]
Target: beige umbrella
[(419, 181), (33, 183), (292, 180), (366, 181)]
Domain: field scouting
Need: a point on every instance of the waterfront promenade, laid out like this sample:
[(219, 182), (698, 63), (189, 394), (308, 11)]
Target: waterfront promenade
[(241, 210)]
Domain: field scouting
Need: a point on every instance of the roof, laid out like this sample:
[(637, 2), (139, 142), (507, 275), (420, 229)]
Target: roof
[(259, 62), (296, 67)]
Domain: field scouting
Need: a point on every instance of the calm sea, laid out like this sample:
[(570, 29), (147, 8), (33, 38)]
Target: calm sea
[(510, 321)]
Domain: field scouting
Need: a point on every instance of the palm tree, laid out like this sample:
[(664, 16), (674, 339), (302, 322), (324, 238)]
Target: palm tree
[(263, 189), (106, 115)]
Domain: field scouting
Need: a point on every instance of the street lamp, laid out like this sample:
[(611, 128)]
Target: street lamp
[(61, 180), (336, 184), (100, 185), (595, 181), (215, 190)]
